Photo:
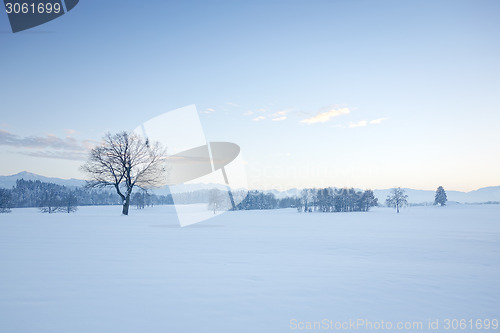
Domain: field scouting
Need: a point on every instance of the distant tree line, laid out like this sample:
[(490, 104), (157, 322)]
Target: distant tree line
[(253, 200), (321, 200), (259, 200), (336, 200), (53, 198)]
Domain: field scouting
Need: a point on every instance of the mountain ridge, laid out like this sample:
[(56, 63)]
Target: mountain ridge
[(10, 181)]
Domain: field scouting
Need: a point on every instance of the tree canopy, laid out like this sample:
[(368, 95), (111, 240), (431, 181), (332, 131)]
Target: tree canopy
[(440, 198), (397, 198), (124, 161)]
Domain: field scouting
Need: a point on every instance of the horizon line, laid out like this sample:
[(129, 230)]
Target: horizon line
[(283, 190)]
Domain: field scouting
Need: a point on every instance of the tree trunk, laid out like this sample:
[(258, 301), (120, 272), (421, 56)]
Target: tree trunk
[(397, 208), (126, 204)]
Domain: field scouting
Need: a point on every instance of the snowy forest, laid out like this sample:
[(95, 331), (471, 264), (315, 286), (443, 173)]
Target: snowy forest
[(52, 198), (336, 200)]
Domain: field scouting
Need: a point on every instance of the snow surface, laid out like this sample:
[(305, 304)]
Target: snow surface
[(246, 271)]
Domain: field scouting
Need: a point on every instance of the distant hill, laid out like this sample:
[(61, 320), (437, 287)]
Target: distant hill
[(10, 181), (484, 194), (293, 192)]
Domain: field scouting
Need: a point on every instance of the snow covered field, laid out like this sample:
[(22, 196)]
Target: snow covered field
[(247, 271)]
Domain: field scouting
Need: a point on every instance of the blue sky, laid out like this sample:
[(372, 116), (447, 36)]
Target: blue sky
[(370, 94)]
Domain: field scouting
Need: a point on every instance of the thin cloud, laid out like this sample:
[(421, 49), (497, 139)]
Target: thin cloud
[(47, 146), (251, 112), (361, 123), (377, 121), (259, 118), (323, 117), (281, 113), (232, 104), (48, 141), (61, 155), (209, 110), (279, 118), (276, 116)]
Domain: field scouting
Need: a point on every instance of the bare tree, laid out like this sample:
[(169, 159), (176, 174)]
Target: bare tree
[(51, 201), (124, 161), (70, 203), (397, 198), (54, 201), (215, 200)]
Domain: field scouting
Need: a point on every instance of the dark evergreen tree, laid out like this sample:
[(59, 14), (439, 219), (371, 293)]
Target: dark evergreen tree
[(258, 200), (288, 202), (367, 200), (5, 200), (440, 198), (138, 200), (336, 200), (306, 199), (300, 205)]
